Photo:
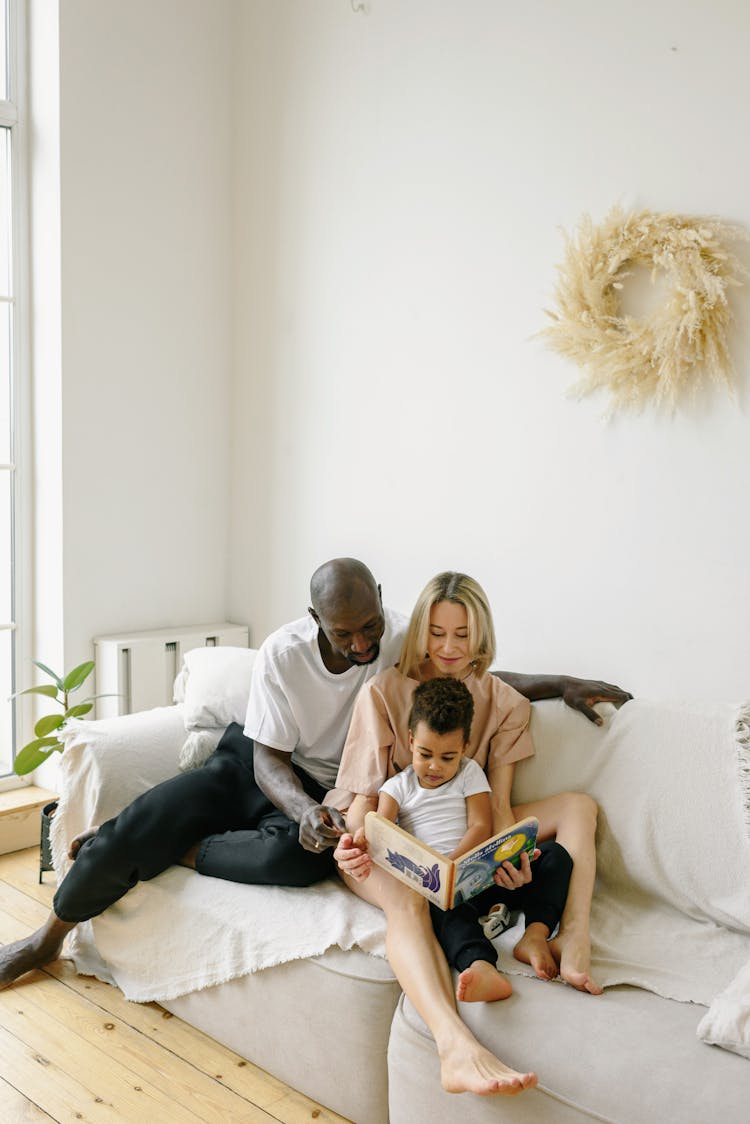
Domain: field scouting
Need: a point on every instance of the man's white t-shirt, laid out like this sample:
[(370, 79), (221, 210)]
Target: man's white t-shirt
[(297, 705), (437, 816)]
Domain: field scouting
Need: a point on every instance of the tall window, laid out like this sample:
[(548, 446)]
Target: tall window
[(10, 386)]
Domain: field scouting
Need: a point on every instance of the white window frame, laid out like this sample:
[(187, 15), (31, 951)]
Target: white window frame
[(13, 114)]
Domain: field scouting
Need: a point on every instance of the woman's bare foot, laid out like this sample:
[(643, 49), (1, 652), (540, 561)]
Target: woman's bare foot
[(78, 841), (572, 951), (482, 983), (34, 951), (533, 949), (467, 1067)]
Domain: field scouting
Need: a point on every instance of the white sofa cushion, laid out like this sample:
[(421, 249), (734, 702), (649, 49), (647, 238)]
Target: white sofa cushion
[(625, 1056), (288, 1020), (214, 685)]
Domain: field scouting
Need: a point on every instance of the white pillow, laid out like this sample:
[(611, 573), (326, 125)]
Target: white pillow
[(727, 1021), (214, 686)]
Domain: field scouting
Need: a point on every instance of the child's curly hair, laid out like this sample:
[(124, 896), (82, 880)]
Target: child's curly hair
[(444, 705)]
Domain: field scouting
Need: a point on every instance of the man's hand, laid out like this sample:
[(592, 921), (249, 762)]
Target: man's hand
[(351, 855), (508, 877), (581, 694), (321, 827), (78, 841)]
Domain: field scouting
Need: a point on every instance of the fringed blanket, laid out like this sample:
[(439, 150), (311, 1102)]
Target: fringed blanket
[(147, 944), (671, 911), (672, 906)]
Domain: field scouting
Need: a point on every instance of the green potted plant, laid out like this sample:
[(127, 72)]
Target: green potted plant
[(47, 730)]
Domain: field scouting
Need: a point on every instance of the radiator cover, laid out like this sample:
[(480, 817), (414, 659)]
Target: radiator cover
[(137, 670)]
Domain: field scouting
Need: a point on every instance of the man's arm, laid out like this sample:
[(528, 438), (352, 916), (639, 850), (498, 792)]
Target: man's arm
[(580, 694), (319, 826)]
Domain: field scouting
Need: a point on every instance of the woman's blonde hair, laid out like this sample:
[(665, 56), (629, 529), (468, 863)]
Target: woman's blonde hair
[(461, 590)]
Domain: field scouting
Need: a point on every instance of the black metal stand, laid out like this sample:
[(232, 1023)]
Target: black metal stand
[(45, 851)]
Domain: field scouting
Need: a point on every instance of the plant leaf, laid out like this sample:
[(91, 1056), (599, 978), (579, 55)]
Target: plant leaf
[(34, 754), (46, 689), (76, 677), (52, 674), (78, 711), (47, 724), (40, 743)]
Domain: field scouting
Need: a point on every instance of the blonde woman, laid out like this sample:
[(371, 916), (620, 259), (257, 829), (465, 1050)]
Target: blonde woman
[(451, 634)]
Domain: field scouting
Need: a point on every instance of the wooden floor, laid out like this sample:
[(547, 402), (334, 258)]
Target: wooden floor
[(71, 1048)]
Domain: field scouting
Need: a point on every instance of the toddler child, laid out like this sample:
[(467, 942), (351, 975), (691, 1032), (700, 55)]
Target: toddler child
[(443, 799)]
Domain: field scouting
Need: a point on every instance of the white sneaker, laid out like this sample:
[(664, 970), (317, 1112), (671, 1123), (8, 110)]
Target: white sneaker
[(496, 921)]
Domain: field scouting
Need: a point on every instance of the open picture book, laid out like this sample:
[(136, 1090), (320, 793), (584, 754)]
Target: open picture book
[(446, 882)]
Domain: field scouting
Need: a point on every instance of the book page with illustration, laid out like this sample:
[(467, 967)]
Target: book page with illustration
[(444, 882)]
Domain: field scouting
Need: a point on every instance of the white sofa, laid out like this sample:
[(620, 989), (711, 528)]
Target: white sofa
[(671, 928)]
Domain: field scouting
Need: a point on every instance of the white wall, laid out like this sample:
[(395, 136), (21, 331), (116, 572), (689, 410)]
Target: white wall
[(145, 190), (364, 228), (401, 180)]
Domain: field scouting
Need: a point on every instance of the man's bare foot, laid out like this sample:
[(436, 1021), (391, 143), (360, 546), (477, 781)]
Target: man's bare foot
[(533, 949), (469, 1068), (78, 841), (573, 953), (482, 983), (33, 951)]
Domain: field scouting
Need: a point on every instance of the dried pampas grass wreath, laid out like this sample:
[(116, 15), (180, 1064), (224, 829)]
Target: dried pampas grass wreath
[(683, 340)]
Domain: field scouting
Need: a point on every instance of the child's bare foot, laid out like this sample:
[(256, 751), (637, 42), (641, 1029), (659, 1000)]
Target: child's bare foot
[(572, 951), (482, 983), (467, 1067), (533, 949), (78, 841)]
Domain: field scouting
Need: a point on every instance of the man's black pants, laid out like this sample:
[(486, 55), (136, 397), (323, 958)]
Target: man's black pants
[(243, 837)]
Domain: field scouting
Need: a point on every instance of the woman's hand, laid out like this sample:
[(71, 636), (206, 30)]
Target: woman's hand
[(508, 877), (351, 855)]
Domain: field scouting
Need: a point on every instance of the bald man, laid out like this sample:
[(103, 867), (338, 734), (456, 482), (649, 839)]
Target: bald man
[(261, 810)]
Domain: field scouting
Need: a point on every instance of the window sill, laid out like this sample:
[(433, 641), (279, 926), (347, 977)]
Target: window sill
[(20, 816)]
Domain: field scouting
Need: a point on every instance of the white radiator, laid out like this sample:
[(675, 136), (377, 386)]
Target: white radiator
[(138, 669)]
